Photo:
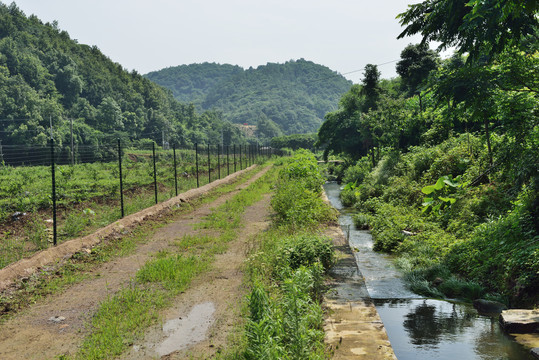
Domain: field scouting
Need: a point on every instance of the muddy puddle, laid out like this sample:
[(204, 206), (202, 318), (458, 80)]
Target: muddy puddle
[(188, 330), (420, 328)]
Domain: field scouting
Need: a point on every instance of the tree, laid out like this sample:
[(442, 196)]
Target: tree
[(69, 84), (417, 61), (109, 115), (371, 87), (266, 128), (477, 27)]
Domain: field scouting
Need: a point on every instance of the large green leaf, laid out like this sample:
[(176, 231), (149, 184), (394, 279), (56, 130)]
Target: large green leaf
[(438, 186), (448, 199)]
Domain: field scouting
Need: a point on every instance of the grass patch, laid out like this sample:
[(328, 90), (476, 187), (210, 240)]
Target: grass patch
[(120, 320)]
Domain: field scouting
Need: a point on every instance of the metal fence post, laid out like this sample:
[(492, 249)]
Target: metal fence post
[(175, 170), (234, 157), (241, 165), (227, 161), (154, 172), (209, 165), (53, 176), (218, 162), (121, 178), (196, 162)]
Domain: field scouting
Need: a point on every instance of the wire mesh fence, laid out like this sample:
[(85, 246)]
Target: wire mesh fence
[(49, 195)]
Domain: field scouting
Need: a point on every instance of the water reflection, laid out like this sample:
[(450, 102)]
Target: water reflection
[(426, 325), (433, 329)]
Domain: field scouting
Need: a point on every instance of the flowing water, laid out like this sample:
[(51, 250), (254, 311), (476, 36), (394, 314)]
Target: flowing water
[(420, 328)]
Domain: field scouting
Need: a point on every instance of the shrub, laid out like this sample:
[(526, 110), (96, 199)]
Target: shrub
[(349, 195), (304, 250), (503, 253), (362, 221), (303, 170), (357, 173), (297, 200)]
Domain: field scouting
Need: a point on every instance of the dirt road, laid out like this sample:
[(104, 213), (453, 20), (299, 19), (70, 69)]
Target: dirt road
[(57, 324)]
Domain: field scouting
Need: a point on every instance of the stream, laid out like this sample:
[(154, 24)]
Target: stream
[(420, 328)]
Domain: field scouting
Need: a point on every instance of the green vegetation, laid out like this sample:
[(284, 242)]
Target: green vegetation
[(290, 98), (75, 269), (45, 76), (192, 83), (285, 316), (297, 200), (442, 163), (286, 273), (295, 141)]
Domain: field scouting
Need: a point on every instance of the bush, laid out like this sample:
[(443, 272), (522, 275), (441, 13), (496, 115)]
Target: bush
[(357, 173), (303, 170), (362, 221), (304, 250), (503, 253), (349, 196), (297, 200)]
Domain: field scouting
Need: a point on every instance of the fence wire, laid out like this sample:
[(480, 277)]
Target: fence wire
[(87, 183)]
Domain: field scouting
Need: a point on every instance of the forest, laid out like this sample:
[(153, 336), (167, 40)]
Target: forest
[(442, 162), (49, 80), (280, 99)]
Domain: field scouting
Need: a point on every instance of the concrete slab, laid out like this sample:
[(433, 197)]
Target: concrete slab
[(520, 321)]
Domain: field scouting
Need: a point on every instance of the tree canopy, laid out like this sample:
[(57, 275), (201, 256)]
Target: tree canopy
[(45, 77), (477, 27)]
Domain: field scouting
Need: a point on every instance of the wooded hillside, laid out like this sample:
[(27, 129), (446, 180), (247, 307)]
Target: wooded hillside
[(281, 98), (45, 76)]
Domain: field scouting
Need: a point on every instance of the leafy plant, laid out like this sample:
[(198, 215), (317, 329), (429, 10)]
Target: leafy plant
[(439, 193)]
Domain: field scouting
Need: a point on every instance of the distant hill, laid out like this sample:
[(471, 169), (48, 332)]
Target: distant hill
[(191, 83), (47, 77), (280, 99)]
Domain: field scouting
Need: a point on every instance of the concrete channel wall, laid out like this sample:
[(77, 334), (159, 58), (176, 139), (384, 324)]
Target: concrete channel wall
[(352, 325)]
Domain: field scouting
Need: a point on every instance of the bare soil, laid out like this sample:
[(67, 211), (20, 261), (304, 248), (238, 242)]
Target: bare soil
[(223, 286), (33, 334)]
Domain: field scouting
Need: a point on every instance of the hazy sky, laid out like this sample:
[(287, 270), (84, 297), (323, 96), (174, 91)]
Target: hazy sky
[(148, 35)]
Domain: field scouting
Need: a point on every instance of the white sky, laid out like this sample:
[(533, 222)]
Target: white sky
[(148, 35)]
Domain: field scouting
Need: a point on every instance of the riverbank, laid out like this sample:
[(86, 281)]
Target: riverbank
[(422, 328), (352, 325)]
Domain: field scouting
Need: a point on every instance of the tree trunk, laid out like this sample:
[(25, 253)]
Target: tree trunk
[(420, 104), (373, 161)]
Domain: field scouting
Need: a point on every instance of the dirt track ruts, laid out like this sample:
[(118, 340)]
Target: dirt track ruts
[(31, 335)]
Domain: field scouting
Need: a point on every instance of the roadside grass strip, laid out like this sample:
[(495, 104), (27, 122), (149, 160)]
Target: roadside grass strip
[(125, 316), (286, 272)]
